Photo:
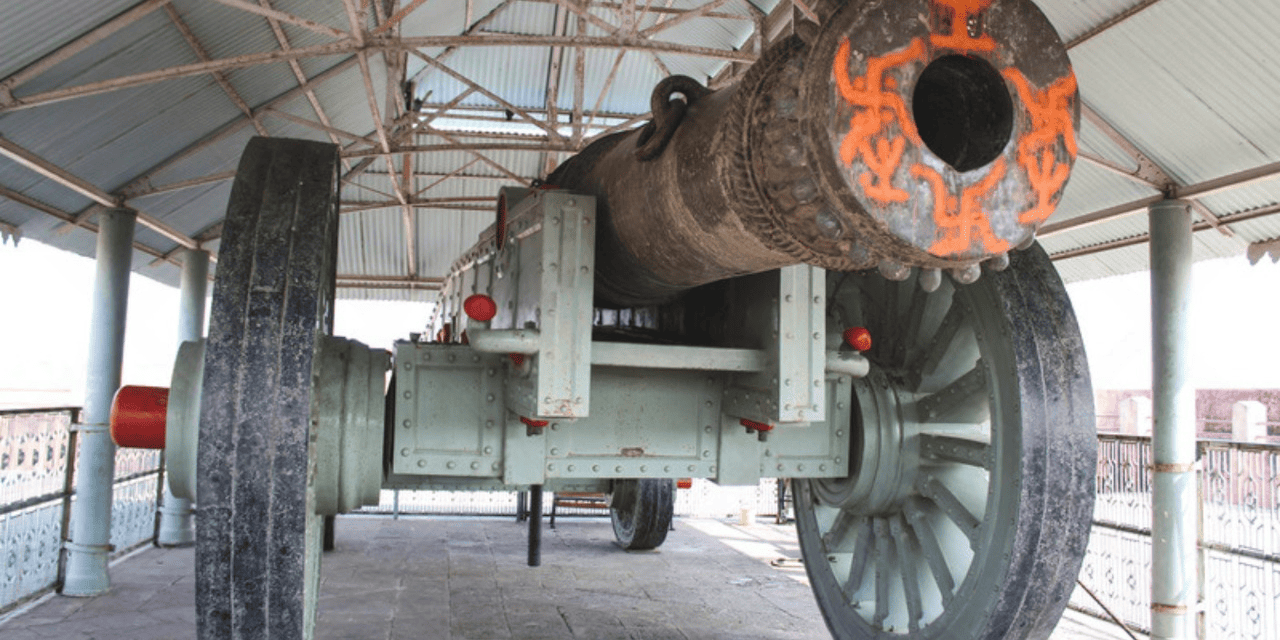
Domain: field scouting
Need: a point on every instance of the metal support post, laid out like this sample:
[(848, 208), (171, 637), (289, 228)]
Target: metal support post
[(90, 542), (1174, 567), (535, 525), (176, 521)]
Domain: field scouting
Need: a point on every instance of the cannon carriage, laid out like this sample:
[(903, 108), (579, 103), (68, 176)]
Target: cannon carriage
[(825, 272)]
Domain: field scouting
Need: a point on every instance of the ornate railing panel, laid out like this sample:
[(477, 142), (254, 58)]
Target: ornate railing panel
[(1239, 536), (35, 498)]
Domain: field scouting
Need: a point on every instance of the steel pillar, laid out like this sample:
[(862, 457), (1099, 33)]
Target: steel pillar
[(176, 523), (1174, 566), (90, 542)]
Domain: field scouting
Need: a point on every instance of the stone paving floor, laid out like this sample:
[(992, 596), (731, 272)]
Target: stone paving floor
[(465, 578)]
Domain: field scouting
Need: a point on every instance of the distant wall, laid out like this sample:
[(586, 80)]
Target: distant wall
[(1213, 409)]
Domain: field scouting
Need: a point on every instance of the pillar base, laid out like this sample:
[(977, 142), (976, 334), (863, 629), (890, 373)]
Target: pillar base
[(86, 571), (177, 527)]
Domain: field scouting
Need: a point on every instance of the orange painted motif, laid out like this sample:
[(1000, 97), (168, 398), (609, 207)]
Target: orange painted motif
[(963, 225), (1051, 119), (876, 107), (958, 12), (961, 222)]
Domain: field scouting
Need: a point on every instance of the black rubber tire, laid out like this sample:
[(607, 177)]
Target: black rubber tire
[(257, 547), (641, 511), (1039, 505)]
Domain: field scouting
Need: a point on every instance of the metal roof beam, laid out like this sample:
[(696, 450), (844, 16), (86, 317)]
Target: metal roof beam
[(81, 186), (281, 16), (398, 16), (1144, 238), (218, 76), (699, 12), (579, 87), (180, 71), (1110, 23), (143, 181), (348, 46), (659, 10), (353, 206), (1192, 192), (483, 158), (407, 213), (452, 174), (456, 145), (388, 282), (57, 174), (589, 42), (560, 28), (67, 217), (1148, 170), (282, 39), (66, 51), (178, 186), (580, 9), (318, 126), (475, 86)]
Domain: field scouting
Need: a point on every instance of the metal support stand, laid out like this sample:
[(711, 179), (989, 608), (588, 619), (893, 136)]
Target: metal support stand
[(90, 542), (330, 532), (535, 525), (1174, 567), (176, 521)]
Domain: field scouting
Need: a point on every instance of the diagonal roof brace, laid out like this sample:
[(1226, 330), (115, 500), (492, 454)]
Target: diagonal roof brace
[(65, 178)]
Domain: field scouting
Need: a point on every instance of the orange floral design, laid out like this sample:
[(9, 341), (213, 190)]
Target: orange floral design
[(1051, 120), (960, 225), (876, 107)]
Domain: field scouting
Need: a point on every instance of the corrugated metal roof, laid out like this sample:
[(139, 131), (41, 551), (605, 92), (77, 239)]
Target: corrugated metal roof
[(1195, 115), (28, 30), (1192, 84)]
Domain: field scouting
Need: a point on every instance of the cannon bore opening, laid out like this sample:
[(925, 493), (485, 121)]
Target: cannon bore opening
[(963, 111)]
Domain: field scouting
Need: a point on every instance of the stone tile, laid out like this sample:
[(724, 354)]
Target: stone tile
[(466, 579)]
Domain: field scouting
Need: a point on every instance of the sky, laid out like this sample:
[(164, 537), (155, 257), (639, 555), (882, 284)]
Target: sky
[(46, 294)]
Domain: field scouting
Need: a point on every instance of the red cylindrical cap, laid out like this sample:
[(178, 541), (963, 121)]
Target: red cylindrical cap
[(480, 307), (858, 338), (138, 417)]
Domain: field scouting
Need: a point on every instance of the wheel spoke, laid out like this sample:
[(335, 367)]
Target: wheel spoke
[(933, 489), (964, 400), (862, 551), (955, 449), (885, 337), (929, 547), (927, 362), (915, 314), (908, 551), (833, 538), (884, 551)]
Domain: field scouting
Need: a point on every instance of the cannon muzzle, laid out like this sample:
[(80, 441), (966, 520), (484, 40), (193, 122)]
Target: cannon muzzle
[(914, 133)]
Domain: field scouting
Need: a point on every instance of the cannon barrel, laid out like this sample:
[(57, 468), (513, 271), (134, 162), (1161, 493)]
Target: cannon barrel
[(914, 133)]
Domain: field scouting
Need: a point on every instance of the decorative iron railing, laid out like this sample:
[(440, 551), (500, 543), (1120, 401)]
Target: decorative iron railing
[(38, 456), (1239, 537)]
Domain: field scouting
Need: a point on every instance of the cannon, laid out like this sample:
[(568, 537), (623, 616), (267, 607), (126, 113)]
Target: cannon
[(824, 272)]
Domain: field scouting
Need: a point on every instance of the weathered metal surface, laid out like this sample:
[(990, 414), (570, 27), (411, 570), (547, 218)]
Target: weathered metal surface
[(347, 422), (257, 546), (934, 133), (964, 460)]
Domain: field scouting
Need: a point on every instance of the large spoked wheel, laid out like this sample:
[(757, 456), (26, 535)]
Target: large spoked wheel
[(259, 539), (641, 511), (967, 510)]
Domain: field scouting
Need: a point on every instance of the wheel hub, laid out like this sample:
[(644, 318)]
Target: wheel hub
[(885, 454)]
